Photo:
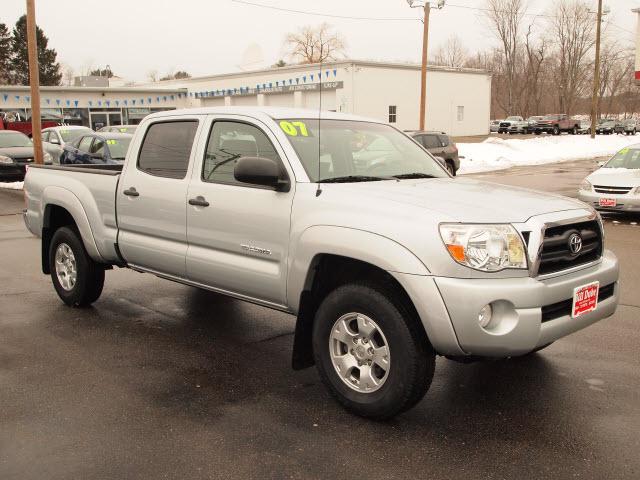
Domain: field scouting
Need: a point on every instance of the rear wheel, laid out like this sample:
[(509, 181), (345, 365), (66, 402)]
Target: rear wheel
[(574, 131), (371, 352), (78, 280), (556, 130)]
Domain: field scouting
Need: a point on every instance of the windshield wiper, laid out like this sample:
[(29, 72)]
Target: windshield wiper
[(414, 175), (355, 178)]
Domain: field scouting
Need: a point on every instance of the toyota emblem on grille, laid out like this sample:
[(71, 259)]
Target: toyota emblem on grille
[(575, 243)]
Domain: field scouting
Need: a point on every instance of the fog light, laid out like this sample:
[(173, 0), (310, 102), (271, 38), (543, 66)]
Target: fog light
[(484, 317)]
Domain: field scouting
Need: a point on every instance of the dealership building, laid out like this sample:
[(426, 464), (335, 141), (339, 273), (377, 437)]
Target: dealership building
[(458, 100)]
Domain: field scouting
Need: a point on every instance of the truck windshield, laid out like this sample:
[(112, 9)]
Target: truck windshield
[(14, 139), (357, 151)]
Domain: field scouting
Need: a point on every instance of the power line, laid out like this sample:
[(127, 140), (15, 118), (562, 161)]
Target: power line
[(328, 15)]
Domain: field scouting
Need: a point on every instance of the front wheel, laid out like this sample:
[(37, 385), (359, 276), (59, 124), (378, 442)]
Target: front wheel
[(574, 131), (78, 280), (556, 130), (450, 168), (371, 351)]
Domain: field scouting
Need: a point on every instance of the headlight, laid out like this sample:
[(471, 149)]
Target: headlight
[(585, 186), (488, 248), (4, 159)]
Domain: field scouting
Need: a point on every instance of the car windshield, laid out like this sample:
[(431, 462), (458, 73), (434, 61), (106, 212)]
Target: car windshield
[(357, 151), (71, 134), (14, 139), (118, 147), (625, 158)]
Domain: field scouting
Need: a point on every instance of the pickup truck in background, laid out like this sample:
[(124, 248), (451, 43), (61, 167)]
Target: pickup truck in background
[(385, 263), (556, 124)]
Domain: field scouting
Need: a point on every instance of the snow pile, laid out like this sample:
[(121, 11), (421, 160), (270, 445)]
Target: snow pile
[(12, 185), (498, 153)]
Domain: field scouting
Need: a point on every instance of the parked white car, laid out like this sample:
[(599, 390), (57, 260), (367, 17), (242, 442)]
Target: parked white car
[(55, 138), (616, 185)]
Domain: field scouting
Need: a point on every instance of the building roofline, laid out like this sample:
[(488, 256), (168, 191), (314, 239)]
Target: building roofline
[(138, 89), (326, 65)]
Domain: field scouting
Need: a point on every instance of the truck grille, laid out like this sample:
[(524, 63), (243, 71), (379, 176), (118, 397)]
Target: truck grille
[(612, 190), (557, 254)]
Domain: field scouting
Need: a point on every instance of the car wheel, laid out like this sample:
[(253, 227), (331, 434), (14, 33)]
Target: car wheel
[(574, 131), (371, 351), (78, 280), (556, 130), (450, 168)]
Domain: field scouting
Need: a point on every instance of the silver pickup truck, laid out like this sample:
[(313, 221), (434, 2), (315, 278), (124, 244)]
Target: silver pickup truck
[(346, 223)]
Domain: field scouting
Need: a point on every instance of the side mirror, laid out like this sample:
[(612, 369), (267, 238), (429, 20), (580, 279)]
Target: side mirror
[(260, 171)]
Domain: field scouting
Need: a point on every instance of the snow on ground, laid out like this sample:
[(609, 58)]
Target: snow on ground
[(11, 185), (497, 153)]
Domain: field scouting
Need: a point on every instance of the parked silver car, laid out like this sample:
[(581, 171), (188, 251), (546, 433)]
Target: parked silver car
[(385, 263), (615, 186), (55, 138)]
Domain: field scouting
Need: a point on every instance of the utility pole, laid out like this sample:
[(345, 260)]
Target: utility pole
[(423, 72), (34, 82), (425, 50), (596, 74)]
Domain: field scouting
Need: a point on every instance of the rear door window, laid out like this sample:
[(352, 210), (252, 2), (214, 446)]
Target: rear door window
[(431, 141), (166, 148), (444, 140)]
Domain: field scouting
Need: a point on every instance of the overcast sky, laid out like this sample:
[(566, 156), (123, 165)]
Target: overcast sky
[(216, 36)]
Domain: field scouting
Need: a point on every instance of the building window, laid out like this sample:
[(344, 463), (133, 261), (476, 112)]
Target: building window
[(392, 114), (460, 113)]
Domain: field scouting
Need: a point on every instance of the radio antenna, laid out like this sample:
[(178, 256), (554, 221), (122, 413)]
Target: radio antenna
[(319, 190)]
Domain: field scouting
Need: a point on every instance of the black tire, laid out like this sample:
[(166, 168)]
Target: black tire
[(450, 168), (556, 130), (574, 131), (90, 275), (412, 358)]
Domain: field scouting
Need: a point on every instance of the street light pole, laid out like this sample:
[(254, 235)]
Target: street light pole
[(34, 83), (596, 74), (423, 72)]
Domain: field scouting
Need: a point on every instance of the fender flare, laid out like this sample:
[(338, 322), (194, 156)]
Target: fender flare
[(64, 198), (378, 250)]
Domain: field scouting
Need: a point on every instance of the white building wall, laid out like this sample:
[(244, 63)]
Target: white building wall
[(376, 88)]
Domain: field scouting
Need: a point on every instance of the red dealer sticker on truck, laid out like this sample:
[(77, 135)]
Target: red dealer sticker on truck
[(585, 299), (607, 202)]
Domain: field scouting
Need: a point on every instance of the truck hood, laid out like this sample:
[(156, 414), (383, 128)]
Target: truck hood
[(463, 199), (615, 177)]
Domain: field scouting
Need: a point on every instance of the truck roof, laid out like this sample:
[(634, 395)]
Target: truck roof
[(274, 113)]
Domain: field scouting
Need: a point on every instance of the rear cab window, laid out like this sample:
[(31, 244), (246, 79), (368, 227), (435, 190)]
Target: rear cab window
[(166, 148)]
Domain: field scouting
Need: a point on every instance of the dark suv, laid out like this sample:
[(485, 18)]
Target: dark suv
[(439, 145)]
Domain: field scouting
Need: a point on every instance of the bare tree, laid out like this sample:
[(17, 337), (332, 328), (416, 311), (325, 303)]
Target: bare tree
[(572, 27), (68, 74), (315, 44), (451, 53), (505, 17), (152, 75), (534, 59)]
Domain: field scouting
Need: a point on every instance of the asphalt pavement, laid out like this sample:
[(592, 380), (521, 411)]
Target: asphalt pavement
[(159, 380)]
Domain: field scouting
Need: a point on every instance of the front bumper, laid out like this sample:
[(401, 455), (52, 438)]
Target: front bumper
[(449, 307), (629, 202)]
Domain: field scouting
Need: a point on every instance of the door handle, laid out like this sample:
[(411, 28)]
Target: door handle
[(132, 192), (199, 201)]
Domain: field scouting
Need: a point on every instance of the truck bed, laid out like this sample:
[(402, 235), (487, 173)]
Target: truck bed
[(87, 192)]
